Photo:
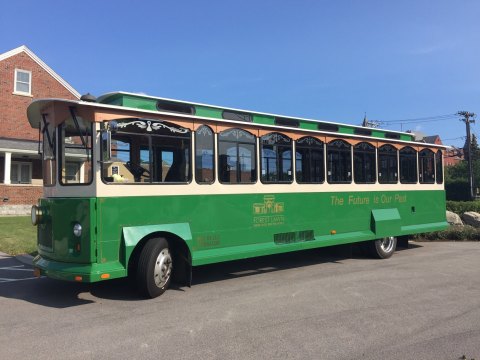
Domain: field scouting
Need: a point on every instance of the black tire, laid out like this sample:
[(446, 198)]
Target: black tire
[(155, 268), (382, 248)]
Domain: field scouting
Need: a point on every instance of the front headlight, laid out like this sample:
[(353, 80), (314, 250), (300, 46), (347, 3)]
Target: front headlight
[(37, 214), (77, 230)]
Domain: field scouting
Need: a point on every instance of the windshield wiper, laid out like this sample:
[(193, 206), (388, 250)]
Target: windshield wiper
[(77, 126), (45, 130)]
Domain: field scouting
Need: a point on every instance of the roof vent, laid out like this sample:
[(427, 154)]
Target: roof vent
[(88, 97)]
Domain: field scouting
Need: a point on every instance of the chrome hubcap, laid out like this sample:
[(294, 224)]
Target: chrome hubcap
[(387, 244), (163, 268)]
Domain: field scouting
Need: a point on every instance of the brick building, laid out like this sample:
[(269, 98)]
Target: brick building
[(452, 155), (23, 78)]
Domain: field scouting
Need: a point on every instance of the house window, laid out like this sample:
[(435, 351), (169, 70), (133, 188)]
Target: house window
[(23, 82), (72, 172), (21, 173)]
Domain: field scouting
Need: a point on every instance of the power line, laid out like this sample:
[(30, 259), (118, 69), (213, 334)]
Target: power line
[(391, 122), (457, 138), (421, 119)]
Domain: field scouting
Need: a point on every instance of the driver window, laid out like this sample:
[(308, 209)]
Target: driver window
[(148, 151)]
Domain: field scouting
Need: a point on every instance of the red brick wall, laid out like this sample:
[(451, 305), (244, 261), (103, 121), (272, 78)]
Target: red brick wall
[(13, 108), (20, 194)]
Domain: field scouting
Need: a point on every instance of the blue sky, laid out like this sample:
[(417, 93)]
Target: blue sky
[(327, 60)]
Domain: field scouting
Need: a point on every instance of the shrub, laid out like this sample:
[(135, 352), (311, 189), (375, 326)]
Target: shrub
[(460, 207), (458, 190), (455, 233)]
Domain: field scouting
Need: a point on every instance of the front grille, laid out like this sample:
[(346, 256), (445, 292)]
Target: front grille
[(45, 236)]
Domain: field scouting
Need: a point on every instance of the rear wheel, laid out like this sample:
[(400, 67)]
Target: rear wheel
[(382, 248), (155, 266)]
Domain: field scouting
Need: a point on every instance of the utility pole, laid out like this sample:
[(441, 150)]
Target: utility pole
[(466, 119)]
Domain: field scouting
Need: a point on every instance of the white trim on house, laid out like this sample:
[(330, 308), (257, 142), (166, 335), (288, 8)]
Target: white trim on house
[(6, 167), (35, 58)]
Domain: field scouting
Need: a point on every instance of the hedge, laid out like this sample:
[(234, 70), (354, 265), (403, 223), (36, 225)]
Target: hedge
[(457, 190), (460, 207), (456, 233)]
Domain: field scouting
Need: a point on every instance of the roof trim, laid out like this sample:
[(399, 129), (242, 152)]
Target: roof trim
[(35, 108), (113, 93), (47, 68)]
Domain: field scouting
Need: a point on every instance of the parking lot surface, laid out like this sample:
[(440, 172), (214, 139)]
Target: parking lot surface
[(423, 303)]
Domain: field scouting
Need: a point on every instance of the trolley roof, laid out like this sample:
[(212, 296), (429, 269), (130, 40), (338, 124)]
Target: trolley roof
[(147, 102), (157, 105)]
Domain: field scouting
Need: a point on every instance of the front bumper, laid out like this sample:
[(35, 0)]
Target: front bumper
[(87, 273)]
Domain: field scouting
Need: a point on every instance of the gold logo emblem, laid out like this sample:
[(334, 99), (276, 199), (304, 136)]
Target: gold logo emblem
[(268, 212)]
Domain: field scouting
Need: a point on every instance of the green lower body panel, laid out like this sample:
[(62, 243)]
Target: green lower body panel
[(247, 251), (224, 227)]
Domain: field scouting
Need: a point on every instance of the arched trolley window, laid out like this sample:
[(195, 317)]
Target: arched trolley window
[(408, 165), (439, 165), (339, 162), (309, 163), (387, 165), (276, 151), (236, 157), (204, 155), (427, 166), (364, 163)]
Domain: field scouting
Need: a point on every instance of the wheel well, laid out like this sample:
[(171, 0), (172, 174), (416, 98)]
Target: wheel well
[(182, 258)]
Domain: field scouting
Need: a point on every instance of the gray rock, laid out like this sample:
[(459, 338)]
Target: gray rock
[(454, 219), (471, 218)]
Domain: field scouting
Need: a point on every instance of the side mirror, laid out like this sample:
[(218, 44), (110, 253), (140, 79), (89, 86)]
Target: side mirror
[(106, 134), (108, 128), (106, 145), (112, 126)]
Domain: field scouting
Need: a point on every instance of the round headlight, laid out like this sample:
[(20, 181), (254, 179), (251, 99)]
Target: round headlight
[(37, 214), (77, 230)]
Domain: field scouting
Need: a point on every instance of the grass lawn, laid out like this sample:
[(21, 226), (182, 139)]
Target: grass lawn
[(17, 235)]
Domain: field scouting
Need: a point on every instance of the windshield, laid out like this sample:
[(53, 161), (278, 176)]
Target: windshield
[(76, 152)]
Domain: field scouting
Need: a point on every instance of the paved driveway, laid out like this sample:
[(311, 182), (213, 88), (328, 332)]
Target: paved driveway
[(424, 303)]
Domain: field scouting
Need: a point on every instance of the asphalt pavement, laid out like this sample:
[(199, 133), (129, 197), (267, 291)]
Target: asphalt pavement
[(423, 303)]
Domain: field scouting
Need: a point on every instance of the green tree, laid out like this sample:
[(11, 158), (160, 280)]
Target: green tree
[(456, 172), (474, 147), (456, 176)]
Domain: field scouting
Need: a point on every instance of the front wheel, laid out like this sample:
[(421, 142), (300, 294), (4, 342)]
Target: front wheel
[(382, 248), (155, 267)]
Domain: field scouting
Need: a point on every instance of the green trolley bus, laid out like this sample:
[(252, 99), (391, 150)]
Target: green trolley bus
[(149, 187)]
